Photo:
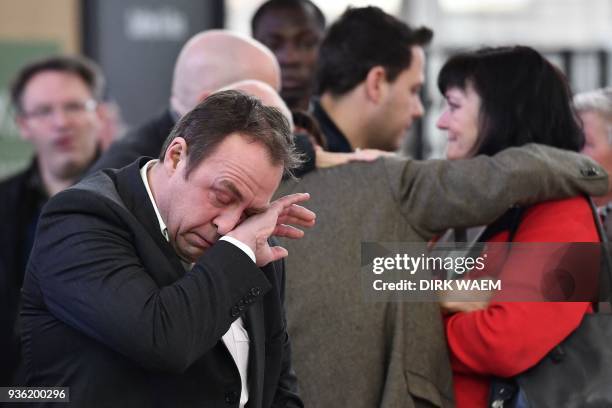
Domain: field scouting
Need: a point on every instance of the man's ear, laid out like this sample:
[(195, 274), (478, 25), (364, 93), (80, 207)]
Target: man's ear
[(376, 84), (175, 154)]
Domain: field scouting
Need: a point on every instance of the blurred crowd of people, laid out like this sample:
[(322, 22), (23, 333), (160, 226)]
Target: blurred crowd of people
[(156, 282)]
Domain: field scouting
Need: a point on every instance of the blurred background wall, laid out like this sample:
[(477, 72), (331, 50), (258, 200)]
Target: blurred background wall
[(137, 41)]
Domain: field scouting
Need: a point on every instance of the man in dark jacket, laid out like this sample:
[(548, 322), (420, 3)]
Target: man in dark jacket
[(368, 62), (55, 101), (293, 30), (155, 285)]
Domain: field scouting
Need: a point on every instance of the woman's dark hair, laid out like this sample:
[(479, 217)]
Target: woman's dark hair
[(524, 98)]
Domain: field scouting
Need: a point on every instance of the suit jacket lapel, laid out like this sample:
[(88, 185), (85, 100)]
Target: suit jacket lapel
[(134, 194)]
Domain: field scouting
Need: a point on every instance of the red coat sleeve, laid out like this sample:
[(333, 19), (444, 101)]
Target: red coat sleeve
[(509, 337)]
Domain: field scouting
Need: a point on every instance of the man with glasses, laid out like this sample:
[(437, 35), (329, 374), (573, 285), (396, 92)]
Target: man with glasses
[(55, 102)]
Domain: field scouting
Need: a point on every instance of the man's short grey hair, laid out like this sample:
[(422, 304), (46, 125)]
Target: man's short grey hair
[(597, 101)]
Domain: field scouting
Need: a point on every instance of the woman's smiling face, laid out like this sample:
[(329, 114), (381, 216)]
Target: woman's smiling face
[(460, 119)]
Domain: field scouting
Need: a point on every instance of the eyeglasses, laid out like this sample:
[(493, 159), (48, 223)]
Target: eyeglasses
[(70, 109)]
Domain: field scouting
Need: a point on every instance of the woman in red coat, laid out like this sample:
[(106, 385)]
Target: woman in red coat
[(499, 98)]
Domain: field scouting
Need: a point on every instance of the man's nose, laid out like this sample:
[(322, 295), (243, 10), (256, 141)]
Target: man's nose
[(418, 109), (287, 54), (60, 117), (227, 221)]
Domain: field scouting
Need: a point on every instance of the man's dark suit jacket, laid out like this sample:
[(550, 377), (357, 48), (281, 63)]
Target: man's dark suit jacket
[(148, 140), (109, 310), (21, 199), (336, 140), (145, 140)]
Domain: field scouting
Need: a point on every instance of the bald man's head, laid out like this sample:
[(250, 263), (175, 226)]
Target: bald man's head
[(265, 93), (213, 59)]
